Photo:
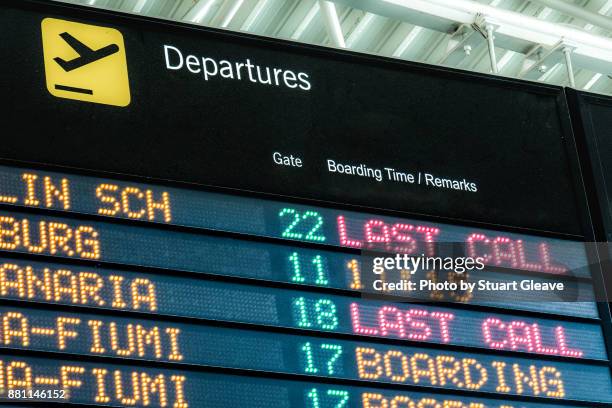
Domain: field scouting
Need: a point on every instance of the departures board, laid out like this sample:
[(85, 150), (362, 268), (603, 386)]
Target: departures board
[(197, 227)]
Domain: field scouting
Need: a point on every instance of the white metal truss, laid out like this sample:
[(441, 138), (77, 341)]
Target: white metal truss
[(564, 42), (513, 31)]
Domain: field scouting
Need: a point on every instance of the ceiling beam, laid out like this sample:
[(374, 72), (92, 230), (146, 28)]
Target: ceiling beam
[(231, 13), (407, 41), (332, 23), (305, 23), (581, 13), (515, 31), (254, 15), (199, 11), (360, 29)]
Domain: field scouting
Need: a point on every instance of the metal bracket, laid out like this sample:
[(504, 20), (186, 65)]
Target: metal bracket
[(539, 59), (462, 42), (486, 27)]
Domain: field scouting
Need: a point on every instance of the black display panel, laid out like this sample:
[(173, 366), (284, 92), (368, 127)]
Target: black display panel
[(214, 248), (441, 143), (592, 117), (53, 255)]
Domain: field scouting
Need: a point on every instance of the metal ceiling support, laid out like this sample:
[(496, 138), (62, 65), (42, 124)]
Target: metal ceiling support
[(573, 10), (407, 41), (567, 52), (506, 58), (592, 81), (253, 17), (486, 29), (306, 21), (332, 23), (199, 11), (539, 60), (461, 44), (491, 44), (360, 29), (231, 13), (515, 31), (139, 6)]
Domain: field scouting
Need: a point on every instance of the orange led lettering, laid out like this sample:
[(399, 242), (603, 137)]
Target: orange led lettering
[(175, 354), (502, 386), (101, 395), (128, 208), (27, 238), (34, 283), (418, 372), (143, 291), (468, 364), (62, 194), (149, 337), (113, 206), (18, 375), (9, 233), (355, 269), (54, 237), (371, 400), (129, 332), (120, 389), (521, 378), (63, 333), (153, 385), (96, 340), (428, 403), (448, 367), (163, 206), (61, 277), (14, 324), (179, 392), (118, 301), (133, 202), (402, 402), (13, 285), (368, 363), (59, 236), (8, 199), (87, 243), (90, 285), (403, 373), (43, 331), (31, 198), (69, 382), (551, 382)]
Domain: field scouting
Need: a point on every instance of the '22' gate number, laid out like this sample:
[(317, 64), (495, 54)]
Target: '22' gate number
[(301, 225)]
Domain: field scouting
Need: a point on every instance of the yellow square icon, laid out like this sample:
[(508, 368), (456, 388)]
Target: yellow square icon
[(85, 62)]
